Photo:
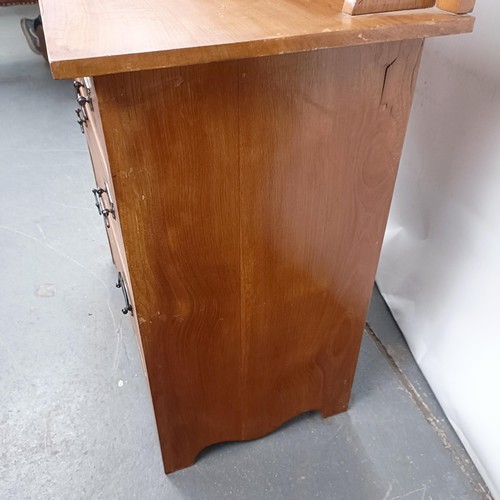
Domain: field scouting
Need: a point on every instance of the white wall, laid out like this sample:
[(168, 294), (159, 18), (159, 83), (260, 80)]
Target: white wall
[(440, 267)]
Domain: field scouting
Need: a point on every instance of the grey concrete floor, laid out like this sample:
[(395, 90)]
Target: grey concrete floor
[(76, 419)]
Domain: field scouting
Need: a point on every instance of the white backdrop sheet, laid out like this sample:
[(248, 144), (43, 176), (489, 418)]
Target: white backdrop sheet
[(440, 266)]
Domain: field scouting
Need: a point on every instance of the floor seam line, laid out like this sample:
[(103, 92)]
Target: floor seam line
[(427, 413)]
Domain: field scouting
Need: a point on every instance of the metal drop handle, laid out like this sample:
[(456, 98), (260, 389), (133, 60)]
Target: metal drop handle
[(81, 99), (101, 208), (98, 199), (78, 85), (81, 118), (123, 285)]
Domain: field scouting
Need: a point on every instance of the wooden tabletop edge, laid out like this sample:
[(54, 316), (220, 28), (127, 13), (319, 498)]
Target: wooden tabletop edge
[(143, 61)]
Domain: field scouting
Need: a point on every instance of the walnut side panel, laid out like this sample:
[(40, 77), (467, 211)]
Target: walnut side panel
[(253, 197), (321, 140), (173, 150)]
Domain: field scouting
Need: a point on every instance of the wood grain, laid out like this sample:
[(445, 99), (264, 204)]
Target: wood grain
[(320, 137), (173, 150), (98, 37), (253, 197), (457, 6), (356, 7)]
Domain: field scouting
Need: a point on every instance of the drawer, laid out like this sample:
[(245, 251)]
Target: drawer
[(89, 120), (105, 201), (123, 283), (116, 244), (98, 156)]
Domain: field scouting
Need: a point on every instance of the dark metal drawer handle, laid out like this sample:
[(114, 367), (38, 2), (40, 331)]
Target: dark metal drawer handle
[(123, 285), (78, 86), (98, 199), (85, 100), (82, 100), (81, 118), (101, 208)]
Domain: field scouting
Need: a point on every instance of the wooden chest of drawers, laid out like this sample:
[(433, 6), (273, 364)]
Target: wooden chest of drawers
[(245, 179)]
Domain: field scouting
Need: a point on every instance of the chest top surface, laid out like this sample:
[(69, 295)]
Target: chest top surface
[(96, 37)]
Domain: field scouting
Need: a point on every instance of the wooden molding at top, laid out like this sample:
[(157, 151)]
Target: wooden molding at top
[(456, 6), (357, 7)]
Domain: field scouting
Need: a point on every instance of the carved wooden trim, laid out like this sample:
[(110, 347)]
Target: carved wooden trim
[(356, 7), (456, 6)]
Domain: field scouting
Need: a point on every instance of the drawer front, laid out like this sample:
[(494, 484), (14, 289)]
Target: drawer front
[(103, 196), (89, 119), (128, 303)]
